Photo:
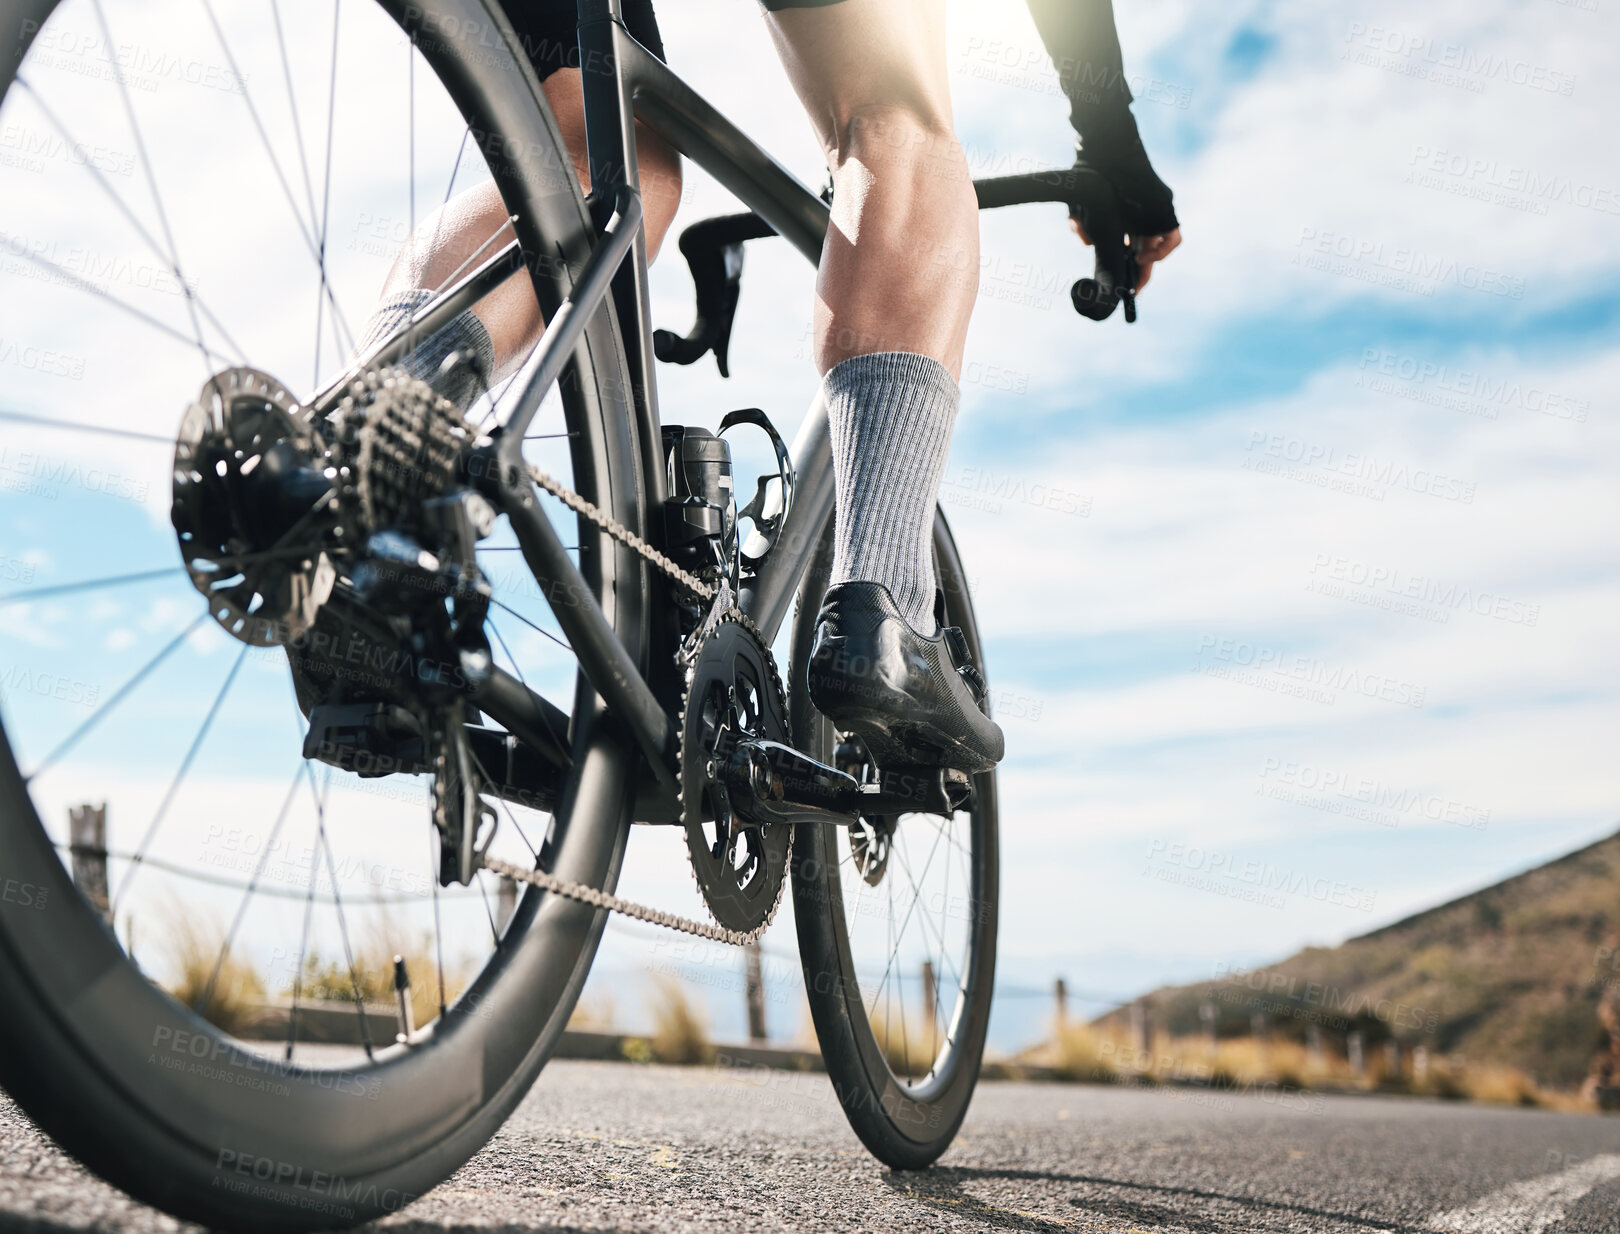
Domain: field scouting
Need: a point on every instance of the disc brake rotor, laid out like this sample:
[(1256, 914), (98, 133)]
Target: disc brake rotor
[(733, 693), (246, 536)]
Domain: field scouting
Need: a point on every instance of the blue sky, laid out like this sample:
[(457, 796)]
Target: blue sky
[(1299, 594)]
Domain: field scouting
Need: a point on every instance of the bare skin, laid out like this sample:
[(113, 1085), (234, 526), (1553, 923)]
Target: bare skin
[(453, 233), (1149, 249), (900, 269)]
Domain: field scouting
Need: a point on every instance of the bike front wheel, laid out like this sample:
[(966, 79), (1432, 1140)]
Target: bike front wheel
[(897, 924)]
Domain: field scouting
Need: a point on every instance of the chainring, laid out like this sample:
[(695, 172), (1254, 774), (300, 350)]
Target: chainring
[(732, 693)]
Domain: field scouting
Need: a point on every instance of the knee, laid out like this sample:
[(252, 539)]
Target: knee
[(899, 136)]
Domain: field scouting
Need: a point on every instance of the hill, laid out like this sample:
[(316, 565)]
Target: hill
[(1514, 974)]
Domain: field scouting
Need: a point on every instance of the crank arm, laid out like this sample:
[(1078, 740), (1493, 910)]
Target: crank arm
[(771, 783)]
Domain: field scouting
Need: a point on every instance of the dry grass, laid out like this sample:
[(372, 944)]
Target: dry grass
[(908, 1042), (593, 1011), (1087, 1055), (373, 973), (193, 945), (679, 1033)]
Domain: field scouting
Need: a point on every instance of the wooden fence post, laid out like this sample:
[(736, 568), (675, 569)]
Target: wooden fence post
[(756, 992), (87, 826)]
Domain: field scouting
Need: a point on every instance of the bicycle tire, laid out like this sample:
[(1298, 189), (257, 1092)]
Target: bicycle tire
[(88, 1045), (907, 1126)]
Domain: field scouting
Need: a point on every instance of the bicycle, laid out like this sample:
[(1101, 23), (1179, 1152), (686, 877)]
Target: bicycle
[(343, 542)]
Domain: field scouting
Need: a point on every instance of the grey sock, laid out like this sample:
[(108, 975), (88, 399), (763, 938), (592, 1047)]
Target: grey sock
[(891, 416), (465, 333)]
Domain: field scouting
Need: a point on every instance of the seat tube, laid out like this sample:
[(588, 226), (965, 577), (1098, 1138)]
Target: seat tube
[(610, 137)]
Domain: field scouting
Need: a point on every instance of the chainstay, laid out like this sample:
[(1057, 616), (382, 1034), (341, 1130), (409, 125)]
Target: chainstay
[(616, 904), (620, 532)]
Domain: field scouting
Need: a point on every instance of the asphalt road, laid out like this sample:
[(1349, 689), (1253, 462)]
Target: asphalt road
[(603, 1146)]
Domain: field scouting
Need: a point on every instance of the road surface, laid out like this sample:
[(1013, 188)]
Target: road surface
[(605, 1146)]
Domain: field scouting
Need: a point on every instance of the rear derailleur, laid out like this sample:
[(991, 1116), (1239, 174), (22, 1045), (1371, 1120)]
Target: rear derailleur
[(350, 542)]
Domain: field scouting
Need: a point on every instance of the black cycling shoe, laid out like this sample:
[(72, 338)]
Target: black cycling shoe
[(914, 700)]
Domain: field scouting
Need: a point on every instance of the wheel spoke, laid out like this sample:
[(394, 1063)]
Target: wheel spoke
[(270, 153), (73, 426), (337, 901), (85, 285), (292, 106), (118, 696), (504, 804), (939, 935), (179, 779), (173, 253), (62, 589), (507, 608), (247, 896), (129, 215), (326, 195), (494, 930), (894, 954), (303, 950), (438, 927)]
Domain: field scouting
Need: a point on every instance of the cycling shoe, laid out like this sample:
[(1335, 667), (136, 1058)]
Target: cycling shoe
[(913, 699)]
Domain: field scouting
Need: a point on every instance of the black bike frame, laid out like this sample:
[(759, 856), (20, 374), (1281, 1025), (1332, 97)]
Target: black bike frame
[(623, 83)]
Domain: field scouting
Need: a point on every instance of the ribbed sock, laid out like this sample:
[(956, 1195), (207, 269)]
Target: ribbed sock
[(465, 334), (891, 416)]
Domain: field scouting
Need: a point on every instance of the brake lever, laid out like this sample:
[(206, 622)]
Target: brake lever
[(1093, 201)]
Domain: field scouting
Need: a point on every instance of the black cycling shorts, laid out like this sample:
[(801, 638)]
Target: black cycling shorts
[(548, 29)]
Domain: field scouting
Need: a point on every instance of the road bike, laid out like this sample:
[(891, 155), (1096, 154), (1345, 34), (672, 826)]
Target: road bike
[(452, 649)]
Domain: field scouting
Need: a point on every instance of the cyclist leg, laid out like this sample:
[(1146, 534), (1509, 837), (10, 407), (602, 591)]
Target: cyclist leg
[(504, 326), (901, 264), (894, 295)]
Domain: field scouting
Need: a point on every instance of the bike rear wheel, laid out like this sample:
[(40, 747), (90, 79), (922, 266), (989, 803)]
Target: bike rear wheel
[(142, 1089), (897, 925)]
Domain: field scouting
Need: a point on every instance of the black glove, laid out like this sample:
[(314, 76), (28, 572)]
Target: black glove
[(1146, 204), (1084, 46)]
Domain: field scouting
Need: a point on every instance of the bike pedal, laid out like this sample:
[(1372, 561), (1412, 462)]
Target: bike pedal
[(904, 789)]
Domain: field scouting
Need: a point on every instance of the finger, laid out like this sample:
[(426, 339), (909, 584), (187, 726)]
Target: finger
[(1144, 272), (1079, 229)]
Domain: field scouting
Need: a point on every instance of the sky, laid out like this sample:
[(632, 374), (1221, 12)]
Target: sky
[(1298, 594)]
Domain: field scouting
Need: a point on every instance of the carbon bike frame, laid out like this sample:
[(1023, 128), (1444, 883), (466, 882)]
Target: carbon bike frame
[(632, 84)]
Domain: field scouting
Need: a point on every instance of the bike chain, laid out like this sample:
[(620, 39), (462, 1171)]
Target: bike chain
[(600, 899), (621, 533), (582, 892)]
